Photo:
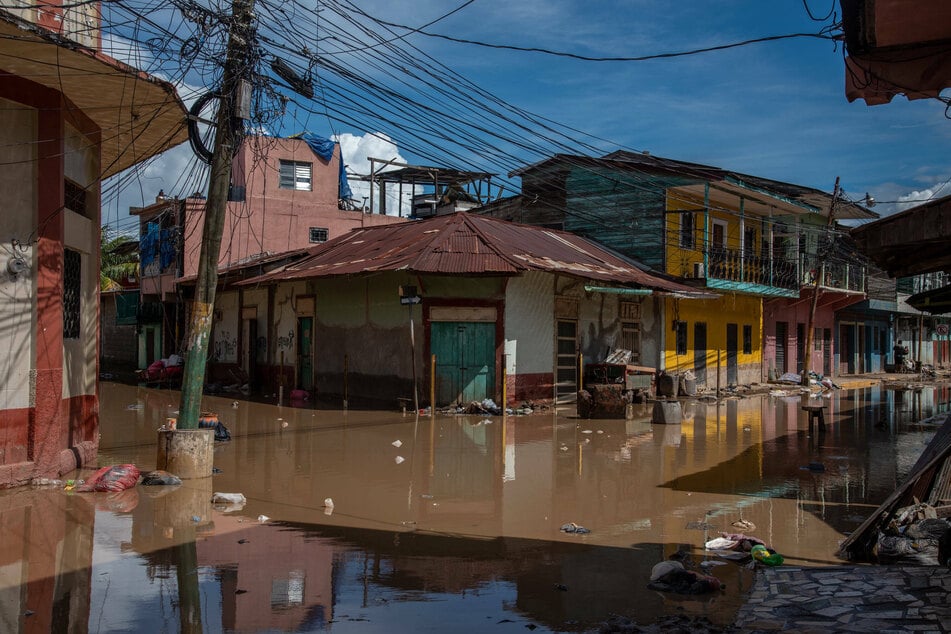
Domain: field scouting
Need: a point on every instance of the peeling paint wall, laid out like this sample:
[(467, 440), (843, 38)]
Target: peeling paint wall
[(224, 339), (17, 294)]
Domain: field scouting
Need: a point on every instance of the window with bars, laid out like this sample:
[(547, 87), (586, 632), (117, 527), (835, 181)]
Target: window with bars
[(296, 175), (72, 288), (747, 339), (631, 339), (319, 234)]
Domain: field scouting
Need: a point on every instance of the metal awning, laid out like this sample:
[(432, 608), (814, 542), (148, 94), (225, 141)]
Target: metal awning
[(937, 301)]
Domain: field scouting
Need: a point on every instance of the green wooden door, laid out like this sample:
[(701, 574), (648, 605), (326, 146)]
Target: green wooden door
[(465, 361), (305, 355)]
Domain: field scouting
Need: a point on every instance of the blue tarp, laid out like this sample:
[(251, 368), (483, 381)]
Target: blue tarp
[(167, 248), (324, 148), (148, 244)]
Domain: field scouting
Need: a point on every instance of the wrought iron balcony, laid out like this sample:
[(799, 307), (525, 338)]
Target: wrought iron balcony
[(744, 267), (836, 274)]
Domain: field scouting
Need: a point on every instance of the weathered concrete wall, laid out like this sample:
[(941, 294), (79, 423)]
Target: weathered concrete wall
[(225, 328), (363, 320), (529, 336), (17, 222)]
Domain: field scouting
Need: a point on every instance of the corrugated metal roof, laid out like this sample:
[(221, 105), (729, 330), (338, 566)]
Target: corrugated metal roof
[(465, 244)]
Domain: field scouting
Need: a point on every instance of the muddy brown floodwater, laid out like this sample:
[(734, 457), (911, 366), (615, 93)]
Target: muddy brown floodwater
[(456, 527)]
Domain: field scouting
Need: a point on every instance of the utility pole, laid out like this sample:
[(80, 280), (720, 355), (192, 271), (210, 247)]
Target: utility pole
[(820, 265), (227, 137)]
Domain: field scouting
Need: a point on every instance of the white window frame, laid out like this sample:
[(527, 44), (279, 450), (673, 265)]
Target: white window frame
[(296, 175)]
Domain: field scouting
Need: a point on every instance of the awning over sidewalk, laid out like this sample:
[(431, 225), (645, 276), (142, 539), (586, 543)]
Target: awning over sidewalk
[(937, 301)]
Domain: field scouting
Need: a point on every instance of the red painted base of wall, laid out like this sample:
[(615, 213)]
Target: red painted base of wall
[(59, 444), (530, 387)]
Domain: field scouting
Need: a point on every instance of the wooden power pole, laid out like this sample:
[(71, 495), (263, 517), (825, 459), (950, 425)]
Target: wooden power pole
[(227, 137), (820, 266)]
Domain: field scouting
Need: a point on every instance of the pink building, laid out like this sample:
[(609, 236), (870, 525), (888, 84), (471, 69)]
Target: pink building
[(285, 198), (69, 117)]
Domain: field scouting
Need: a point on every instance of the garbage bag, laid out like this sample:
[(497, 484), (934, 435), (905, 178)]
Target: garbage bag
[(221, 432), (159, 477), (114, 478)]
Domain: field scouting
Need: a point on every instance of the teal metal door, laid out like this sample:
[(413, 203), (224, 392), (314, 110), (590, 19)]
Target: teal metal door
[(465, 361)]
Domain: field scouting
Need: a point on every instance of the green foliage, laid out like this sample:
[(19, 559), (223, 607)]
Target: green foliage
[(119, 260)]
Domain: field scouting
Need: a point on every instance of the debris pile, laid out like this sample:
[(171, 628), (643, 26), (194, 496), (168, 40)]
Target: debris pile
[(916, 535)]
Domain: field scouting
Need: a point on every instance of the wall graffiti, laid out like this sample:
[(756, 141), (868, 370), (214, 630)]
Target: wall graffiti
[(226, 346), (287, 342)]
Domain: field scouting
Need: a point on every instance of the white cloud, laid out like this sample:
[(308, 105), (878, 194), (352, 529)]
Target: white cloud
[(917, 197), (356, 151)]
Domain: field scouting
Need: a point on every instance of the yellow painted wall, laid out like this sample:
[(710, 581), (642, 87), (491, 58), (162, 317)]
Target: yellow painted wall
[(680, 260), (717, 313)]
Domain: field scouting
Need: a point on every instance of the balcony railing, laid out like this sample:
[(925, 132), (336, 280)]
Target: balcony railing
[(835, 274), (736, 265)]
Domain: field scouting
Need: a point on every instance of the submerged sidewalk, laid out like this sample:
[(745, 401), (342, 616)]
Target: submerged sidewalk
[(849, 598)]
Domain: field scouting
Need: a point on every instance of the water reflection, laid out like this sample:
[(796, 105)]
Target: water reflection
[(445, 523)]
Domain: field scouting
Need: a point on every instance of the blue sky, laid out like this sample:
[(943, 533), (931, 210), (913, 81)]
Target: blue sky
[(775, 109)]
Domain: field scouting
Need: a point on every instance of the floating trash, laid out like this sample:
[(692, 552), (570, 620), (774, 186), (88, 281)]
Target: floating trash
[(571, 527)]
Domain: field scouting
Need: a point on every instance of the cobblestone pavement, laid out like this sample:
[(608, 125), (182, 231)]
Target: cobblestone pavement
[(849, 599)]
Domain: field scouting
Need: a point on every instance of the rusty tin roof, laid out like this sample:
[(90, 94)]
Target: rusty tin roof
[(472, 245)]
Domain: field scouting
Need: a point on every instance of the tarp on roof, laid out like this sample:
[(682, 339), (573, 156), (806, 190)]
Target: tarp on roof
[(324, 148)]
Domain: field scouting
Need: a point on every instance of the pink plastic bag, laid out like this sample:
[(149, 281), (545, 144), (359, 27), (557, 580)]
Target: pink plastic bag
[(114, 478)]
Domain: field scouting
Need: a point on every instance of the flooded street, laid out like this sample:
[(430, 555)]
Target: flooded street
[(455, 527)]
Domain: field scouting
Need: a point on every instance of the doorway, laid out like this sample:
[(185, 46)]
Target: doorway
[(732, 366), (781, 340), (827, 351), (700, 352), (800, 348), (249, 337), (566, 361), (847, 349), (465, 360), (862, 347), (305, 353)]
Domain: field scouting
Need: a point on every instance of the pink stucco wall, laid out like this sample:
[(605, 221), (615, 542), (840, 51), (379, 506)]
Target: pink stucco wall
[(793, 312), (271, 219)]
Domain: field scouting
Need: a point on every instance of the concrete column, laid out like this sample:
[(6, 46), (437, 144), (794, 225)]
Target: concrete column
[(187, 453)]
